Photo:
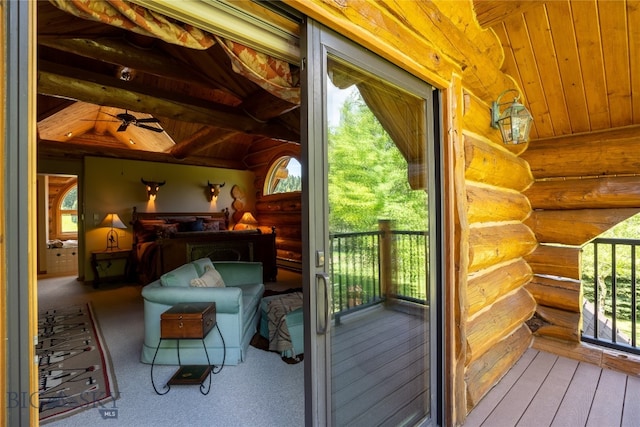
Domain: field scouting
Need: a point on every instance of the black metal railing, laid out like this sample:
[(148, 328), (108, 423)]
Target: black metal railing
[(368, 267), (610, 309)]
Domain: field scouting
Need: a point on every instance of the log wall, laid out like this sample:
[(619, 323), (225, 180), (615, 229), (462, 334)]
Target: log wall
[(282, 211), (584, 185)]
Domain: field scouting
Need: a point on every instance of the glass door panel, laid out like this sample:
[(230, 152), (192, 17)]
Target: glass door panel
[(369, 157)]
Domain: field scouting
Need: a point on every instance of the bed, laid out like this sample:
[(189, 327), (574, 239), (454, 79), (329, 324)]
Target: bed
[(163, 241)]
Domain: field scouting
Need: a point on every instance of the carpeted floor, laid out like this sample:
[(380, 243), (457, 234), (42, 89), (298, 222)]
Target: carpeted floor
[(262, 391)]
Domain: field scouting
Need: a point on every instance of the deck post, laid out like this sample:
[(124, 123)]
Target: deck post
[(386, 275)]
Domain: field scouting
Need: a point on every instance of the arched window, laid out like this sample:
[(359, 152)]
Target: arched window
[(284, 176), (67, 215)]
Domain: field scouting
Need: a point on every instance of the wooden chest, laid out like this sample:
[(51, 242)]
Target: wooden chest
[(188, 320)]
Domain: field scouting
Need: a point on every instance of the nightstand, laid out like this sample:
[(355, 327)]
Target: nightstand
[(103, 260)]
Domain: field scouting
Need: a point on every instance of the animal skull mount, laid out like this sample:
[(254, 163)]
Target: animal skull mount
[(214, 190), (152, 188)]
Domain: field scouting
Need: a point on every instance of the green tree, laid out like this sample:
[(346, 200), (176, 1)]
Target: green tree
[(368, 175)]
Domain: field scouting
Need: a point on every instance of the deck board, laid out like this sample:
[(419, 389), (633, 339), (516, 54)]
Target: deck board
[(609, 398), (513, 405), (380, 368), (545, 404), (543, 389), (577, 401), (631, 410)]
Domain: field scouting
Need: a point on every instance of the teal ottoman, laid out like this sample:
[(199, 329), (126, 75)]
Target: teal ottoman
[(289, 306)]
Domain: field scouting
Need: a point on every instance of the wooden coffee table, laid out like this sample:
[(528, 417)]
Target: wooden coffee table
[(187, 321)]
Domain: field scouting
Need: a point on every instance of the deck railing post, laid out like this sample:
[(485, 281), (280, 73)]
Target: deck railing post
[(387, 288)]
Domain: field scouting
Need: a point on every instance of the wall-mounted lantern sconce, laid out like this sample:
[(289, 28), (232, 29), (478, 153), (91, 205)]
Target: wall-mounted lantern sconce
[(112, 220), (214, 190), (152, 188), (514, 122)]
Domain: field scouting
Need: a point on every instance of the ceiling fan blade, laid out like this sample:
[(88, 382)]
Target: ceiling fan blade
[(149, 120), (149, 128), (122, 127)]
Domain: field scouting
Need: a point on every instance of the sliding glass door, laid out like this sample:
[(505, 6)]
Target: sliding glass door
[(371, 252)]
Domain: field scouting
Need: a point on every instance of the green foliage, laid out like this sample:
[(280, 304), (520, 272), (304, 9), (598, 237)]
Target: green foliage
[(602, 275), (289, 184), (70, 201), (368, 175)]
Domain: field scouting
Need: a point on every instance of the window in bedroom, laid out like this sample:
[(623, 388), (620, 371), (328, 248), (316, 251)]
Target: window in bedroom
[(284, 176), (68, 213)]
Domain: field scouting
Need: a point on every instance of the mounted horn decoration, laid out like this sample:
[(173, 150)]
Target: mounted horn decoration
[(214, 190), (152, 188)]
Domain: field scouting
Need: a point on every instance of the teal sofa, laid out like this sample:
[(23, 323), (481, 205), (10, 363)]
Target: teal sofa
[(237, 312)]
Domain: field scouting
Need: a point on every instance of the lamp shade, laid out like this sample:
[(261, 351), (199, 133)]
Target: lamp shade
[(112, 220), (247, 222)]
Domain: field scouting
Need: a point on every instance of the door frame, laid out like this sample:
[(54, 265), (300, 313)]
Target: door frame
[(316, 42), (19, 301)]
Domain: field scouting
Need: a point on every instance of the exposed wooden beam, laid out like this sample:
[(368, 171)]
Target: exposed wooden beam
[(203, 138), (264, 106), (81, 147), (115, 51), (66, 82)]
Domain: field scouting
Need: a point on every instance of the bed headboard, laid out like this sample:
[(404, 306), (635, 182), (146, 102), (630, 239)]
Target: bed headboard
[(223, 214)]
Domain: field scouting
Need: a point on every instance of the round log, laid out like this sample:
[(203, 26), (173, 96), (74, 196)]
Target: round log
[(487, 286), (494, 244), (488, 203), (491, 164), (562, 261), (488, 327)]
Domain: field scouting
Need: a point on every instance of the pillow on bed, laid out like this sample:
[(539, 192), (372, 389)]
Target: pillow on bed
[(196, 225), (145, 229), (210, 279), (211, 226), (166, 230)]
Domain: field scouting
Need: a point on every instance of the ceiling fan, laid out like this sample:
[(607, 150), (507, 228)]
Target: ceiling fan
[(127, 119)]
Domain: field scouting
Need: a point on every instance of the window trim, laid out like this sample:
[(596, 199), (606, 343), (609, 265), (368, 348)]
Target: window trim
[(58, 212)]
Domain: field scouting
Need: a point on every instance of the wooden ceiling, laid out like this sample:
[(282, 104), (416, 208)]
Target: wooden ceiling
[(210, 115), (577, 62)]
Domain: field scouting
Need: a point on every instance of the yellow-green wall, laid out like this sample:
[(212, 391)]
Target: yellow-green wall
[(113, 185)]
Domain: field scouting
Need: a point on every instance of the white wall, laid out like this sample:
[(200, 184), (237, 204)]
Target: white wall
[(113, 185)]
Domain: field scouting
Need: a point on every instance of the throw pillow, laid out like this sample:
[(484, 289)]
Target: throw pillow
[(210, 279)]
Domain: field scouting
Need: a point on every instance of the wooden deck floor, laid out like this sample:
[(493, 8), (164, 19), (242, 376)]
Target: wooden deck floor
[(380, 369), (543, 389)]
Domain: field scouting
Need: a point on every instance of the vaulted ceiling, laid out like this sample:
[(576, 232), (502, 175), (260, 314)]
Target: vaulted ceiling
[(89, 73), (577, 63)]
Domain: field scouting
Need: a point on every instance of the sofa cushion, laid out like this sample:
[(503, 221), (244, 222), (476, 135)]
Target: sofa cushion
[(210, 279), (202, 265), (180, 277)]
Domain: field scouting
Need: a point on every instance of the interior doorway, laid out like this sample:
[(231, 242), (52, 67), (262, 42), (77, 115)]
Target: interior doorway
[(58, 225)]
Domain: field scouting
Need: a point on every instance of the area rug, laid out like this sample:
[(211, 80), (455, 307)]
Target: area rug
[(74, 364)]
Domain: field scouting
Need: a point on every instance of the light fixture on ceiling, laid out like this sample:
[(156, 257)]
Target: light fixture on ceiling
[(514, 122), (68, 134), (112, 220), (132, 142), (126, 74)]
